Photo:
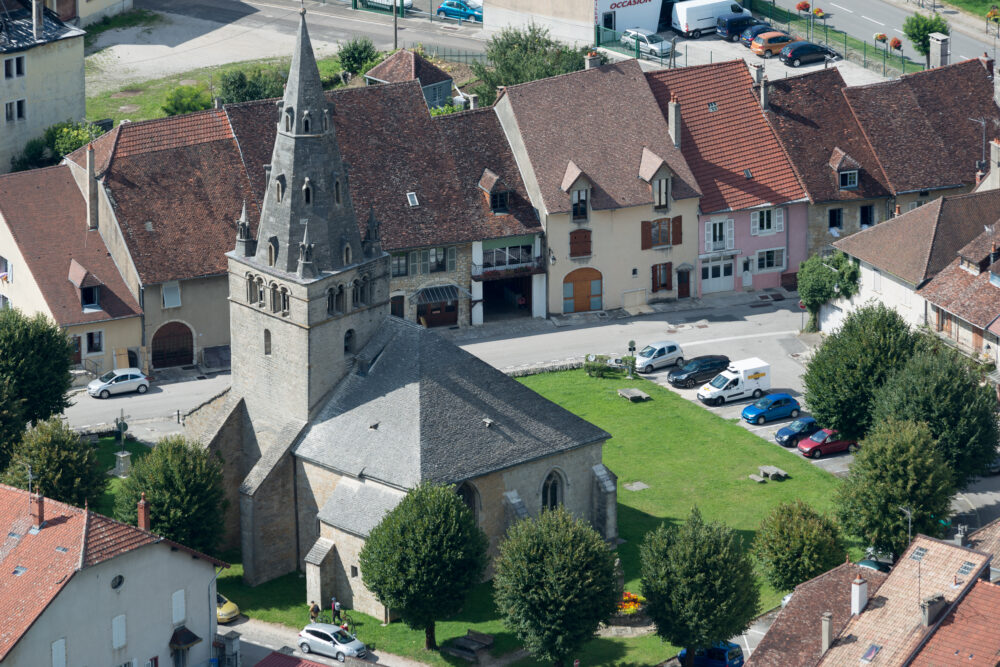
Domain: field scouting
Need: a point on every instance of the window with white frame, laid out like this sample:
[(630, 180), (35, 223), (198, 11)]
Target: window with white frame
[(118, 635), (171, 293), (914, 204), (90, 297), (661, 193), (13, 67), (767, 221), (59, 653), (849, 179), (719, 235), (433, 260), (877, 280), (771, 260), (580, 209), (179, 613)]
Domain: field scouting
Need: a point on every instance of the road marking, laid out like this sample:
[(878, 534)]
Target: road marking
[(759, 428), (872, 20), (849, 11), (965, 57), (898, 30), (745, 337)]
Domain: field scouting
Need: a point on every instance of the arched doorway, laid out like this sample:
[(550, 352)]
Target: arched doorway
[(582, 291), (173, 345)]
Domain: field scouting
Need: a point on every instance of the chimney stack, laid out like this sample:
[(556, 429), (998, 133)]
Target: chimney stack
[(91, 189), (859, 595), (143, 513), (591, 60), (674, 120), (979, 176), (473, 101), (758, 73), (763, 94), (37, 18), (931, 608), (940, 46), (899, 211), (827, 623), (37, 502)]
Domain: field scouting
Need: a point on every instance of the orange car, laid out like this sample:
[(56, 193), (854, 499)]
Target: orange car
[(767, 44)]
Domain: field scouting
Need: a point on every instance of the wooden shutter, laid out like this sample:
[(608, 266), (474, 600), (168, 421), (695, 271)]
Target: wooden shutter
[(675, 231), (668, 268), (647, 235), (118, 631), (754, 223), (779, 219), (579, 243), (656, 277), (730, 234), (178, 607), (708, 236)]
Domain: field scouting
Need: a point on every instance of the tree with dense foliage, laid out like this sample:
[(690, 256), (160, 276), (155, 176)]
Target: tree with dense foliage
[(12, 420), (35, 363), (187, 99), (852, 363), (918, 28), (795, 543), (822, 279), (62, 466), (897, 470), (238, 86), (518, 55), (183, 485), (555, 583), (55, 143), (424, 557), (944, 390), (699, 583), (356, 55)]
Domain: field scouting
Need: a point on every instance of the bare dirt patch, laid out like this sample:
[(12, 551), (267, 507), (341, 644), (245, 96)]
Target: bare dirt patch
[(132, 92), (129, 108)]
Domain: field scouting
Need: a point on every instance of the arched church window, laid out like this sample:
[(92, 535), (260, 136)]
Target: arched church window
[(347, 254), (275, 298), (251, 289), (366, 292), (349, 341), (331, 301), (552, 492), (305, 124), (307, 192), (356, 294), (289, 114), (467, 492), (279, 189), (272, 251), (326, 120), (260, 292), (336, 191), (267, 341), (285, 301), (341, 300)]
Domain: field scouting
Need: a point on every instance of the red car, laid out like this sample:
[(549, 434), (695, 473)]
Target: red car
[(825, 441)]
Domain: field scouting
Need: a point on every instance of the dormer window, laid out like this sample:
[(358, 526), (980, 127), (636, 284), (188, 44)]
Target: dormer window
[(661, 193), (500, 201), (90, 297), (580, 208), (848, 179), (411, 197)]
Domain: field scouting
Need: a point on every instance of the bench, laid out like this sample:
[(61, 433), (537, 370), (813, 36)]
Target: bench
[(772, 472), (757, 478), (633, 395), (470, 646)]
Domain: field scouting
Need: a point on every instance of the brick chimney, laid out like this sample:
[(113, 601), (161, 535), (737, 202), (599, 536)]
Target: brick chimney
[(931, 608), (591, 60), (674, 120), (91, 189), (827, 631), (764, 104), (473, 101), (940, 49), (143, 513), (899, 211), (37, 503), (859, 595), (757, 71)]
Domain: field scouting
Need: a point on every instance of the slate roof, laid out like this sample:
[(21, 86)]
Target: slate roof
[(600, 119), (406, 65), (720, 144), (814, 123), (968, 636), (18, 28), (892, 618), (47, 216), (419, 414), (912, 126), (357, 507), (794, 639), (965, 295), (70, 540), (933, 234)]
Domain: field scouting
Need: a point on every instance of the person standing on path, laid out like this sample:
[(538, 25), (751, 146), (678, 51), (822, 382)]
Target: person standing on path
[(313, 611), (335, 608)]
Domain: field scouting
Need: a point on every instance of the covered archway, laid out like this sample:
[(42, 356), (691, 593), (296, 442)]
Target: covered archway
[(583, 290), (173, 345)]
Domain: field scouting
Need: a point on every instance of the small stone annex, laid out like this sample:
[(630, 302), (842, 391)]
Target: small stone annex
[(337, 408)]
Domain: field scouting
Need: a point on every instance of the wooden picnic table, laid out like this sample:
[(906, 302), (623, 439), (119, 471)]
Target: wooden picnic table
[(772, 472)]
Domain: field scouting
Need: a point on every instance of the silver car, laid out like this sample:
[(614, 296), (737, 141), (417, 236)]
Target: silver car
[(649, 42), (119, 381), (328, 639), (658, 355)]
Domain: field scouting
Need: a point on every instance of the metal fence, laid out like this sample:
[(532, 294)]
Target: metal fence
[(450, 55), (612, 41)]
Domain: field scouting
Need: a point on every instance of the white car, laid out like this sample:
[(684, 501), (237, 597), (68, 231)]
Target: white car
[(658, 355), (328, 639), (119, 381)]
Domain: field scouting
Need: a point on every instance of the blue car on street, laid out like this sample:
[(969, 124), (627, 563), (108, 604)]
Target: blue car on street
[(789, 436), (723, 654), (457, 9), (772, 406)]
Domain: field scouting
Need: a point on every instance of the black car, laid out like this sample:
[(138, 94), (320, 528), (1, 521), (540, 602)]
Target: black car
[(730, 26), (698, 370), (800, 53), (747, 37), (789, 436)]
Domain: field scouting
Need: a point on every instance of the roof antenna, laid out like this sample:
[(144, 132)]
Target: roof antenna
[(30, 479)]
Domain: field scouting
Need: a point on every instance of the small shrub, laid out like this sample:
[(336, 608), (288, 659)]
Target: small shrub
[(357, 53), (187, 99), (598, 367)]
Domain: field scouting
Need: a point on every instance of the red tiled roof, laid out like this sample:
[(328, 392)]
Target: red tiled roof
[(911, 124), (600, 119), (819, 132), (48, 217), (987, 540), (276, 659), (968, 636), (794, 639), (965, 295), (104, 146), (719, 145), (164, 134), (405, 65)]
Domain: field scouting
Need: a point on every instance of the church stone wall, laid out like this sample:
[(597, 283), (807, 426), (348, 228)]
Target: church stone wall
[(348, 587), (267, 521), (314, 485)]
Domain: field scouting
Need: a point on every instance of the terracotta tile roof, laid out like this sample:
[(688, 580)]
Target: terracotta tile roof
[(51, 556), (965, 295), (912, 126), (968, 636), (934, 233), (719, 145), (600, 119), (892, 618), (405, 65), (164, 134), (47, 216), (794, 639), (104, 146), (276, 659), (987, 540), (815, 125)]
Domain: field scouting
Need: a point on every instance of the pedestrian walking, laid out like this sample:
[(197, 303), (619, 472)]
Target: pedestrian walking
[(313, 611), (335, 608)]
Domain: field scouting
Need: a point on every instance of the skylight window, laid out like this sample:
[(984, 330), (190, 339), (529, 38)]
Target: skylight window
[(748, 174), (712, 106), (870, 654), (14, 535), (62, 550), (966, 569), (19, 570), (919, 553), (412, 198)]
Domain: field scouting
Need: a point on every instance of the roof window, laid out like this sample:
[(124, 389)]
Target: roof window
[(966, 569), (919, 553), (412, 198), (62, 550), (870, 654), (712, 106), (19, 570), (748, 174)]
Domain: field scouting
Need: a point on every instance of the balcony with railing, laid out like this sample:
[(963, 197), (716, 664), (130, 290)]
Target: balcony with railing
[(510, 269), (715, 246)]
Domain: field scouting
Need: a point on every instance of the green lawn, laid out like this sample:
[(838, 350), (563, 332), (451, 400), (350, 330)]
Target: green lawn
[(106, 448)]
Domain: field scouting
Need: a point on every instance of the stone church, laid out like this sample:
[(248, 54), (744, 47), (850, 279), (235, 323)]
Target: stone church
[(337, 408)]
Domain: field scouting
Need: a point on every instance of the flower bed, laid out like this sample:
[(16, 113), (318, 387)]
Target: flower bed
[(630, 611)]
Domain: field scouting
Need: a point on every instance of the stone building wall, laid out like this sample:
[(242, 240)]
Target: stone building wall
[(407, 286)]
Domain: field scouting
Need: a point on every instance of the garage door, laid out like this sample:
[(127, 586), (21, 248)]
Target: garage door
[(582, 291), (830, 318), (173, 345)]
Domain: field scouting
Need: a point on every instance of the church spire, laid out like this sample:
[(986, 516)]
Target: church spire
[(307, 182)]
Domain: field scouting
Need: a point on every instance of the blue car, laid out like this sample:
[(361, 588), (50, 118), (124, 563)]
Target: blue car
[(747, 35), (772, 406), (456, 9), (789, 436), (723, 654)]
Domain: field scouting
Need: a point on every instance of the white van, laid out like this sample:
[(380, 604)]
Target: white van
[(744, 378), (694, 18)]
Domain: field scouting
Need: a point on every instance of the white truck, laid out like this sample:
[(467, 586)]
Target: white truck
[(694, 18), (744, 378)]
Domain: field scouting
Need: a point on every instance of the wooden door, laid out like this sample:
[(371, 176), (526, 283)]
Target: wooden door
[(977, 339), (75, 341), (683, 284), (583, 291)]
